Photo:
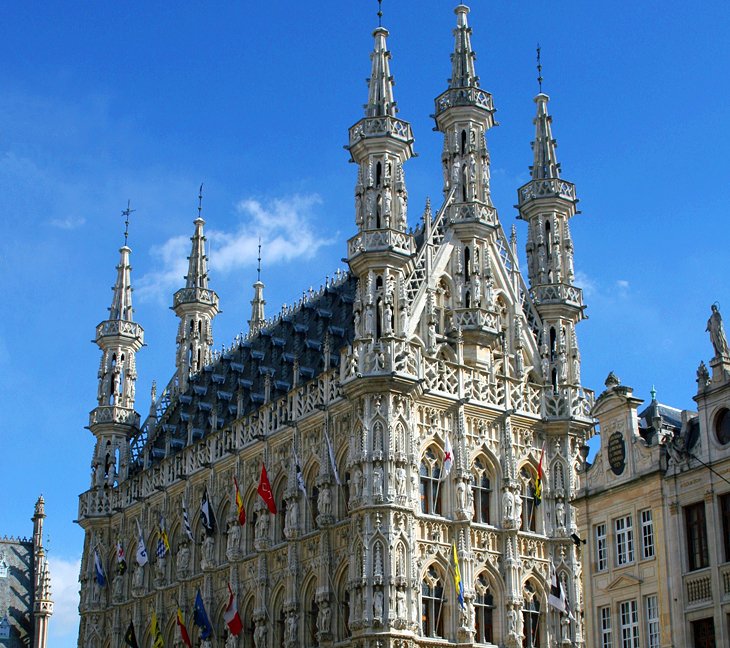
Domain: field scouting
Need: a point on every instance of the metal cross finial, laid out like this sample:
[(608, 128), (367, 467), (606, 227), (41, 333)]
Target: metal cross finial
[(258, 270), (200, 200), (539, 68), (380, 13), (126, 212)]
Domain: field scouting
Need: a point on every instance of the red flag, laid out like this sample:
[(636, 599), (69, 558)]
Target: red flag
[(239, 505), (539, 478), (264, 490), (231, 616), (183, 630)]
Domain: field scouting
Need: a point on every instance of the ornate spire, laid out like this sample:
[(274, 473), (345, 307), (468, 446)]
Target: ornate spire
[(546, 162), (196, 306), (121, 308), (258, 302), (380, 95), (462, 60)]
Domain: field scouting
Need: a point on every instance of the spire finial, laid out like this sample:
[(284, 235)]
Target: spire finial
[(126, 213), (653, 393), (380, 13), (539, 68), (258, 269), (200, 201)]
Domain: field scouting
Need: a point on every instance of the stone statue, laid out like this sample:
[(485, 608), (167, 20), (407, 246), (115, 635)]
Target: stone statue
[(400, 604), (378, 605), (118, 587), (231, 640), (161, 568), (324, 502), (512, 621), (183, 561), (291, 629), (518, 508), (234, 537), (703, 376), (138, 579), (262, 525), (206, 643), (508, 504), (324, 620), (560, 516), (400, 481), (377, 483), (208, 558), (356, 483), (292, 515), (717, 332), (259, 635), (461, 494)]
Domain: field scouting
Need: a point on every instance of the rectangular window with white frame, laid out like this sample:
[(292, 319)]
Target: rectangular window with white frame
[(629, 617), (601, 548), (651, 605), (624, 529), (647, 534), (606, 635)]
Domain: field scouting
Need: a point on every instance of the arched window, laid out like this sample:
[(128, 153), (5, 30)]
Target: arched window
[(311, 614), (463, 142), (378, 174), (482, 492), (531, 618), (529, 508), (430, 477), (553, 342), (484, 611), (467, 262), (343, 609), (248, 623), (432, 596)]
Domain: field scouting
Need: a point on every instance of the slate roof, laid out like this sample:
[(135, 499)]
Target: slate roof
[(297, 334)]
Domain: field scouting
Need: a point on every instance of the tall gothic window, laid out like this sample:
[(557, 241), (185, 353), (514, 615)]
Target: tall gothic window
[(531, 618), (529, 509), (484, 611), (312, 612), (430, 475), (432, 595), (482, 492)]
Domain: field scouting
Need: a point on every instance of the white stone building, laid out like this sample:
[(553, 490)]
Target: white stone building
[(432, 339)]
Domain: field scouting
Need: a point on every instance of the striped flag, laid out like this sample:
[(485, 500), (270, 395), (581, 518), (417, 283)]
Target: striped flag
[(300, 477), (157, 640), (99, 570), (538, 479), (458, 584), (241, 512), (557, 598), (231, 616), (163, 542), (186, 520), (207, 517), (331, 453), (183, 630)]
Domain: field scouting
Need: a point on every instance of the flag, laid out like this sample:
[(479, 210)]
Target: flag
[(99, 570), (186, 520), (231, 616), (121, 559), (157, 640), (239, 504), (538, 479), (129, 637), (183, 630), (300, 478), (141, 549), (163, 542), (448, 455), (557, 598), (331, 453), (200, 617), (264, 490), (207, 516), (458, 584)]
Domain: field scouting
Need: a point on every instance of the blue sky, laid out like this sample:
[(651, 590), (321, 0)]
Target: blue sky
[(102, 102)]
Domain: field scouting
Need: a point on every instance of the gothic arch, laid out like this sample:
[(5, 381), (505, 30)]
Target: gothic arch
[(310, 612), (342, 597), (247, 619), (249, 529), (430, 482), (434, 612), (531, 512), (278, 488), (558, 470), (379, 436), (485, 471), (534, 608), (488, 605), (310, 512), (278, 617)]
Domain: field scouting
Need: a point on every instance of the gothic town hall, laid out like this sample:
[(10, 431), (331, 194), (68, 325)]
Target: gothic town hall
[(388, 463)]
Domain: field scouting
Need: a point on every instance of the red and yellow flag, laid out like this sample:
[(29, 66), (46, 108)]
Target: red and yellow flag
[(538, 479), (239, 504), (183, 630)]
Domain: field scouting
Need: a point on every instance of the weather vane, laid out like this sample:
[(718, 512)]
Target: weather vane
[(258, 269), (126, 213), (200, 200), (539, 68), (380, 13)]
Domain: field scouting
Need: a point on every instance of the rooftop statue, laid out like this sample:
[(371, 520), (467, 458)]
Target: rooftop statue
[(717, 332)]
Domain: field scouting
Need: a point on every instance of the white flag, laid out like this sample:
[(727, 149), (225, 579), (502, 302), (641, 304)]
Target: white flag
[(300, 478), (186, 520), (556, 598), (448, 455), (141, 549)]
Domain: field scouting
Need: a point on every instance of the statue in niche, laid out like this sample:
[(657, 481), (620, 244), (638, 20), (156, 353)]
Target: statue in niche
[(262, 525), (518, 508), (324, 620), (378, 359), (508, 505), (138, 580), (400, 604), (512, 622), (378, 605), (161, 568), (560, 516), (259, 635), (377, 483), (118, 587), (183, 561), (324, 501), (208, 557), (231, 640), (402, 209), (206, 643), (703, 376), (717, 332), (400, 481), (387, 204), (356, 482), (292, 515), (469, 502), (388, 317), (461, 494), (358, 208), (370, 207), (291, 629), (233, 538)]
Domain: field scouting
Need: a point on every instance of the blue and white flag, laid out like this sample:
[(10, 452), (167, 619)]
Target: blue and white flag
[(99, 570)]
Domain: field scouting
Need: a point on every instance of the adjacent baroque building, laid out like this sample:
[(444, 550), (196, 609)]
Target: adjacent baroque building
[(416, 392), (25, 588), (655, 509)]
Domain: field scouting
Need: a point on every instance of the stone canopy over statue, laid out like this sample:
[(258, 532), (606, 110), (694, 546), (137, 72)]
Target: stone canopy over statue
[(717, 332)]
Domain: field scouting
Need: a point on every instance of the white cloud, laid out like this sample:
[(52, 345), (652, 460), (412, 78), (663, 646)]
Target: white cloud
[(285, 226), (68, 222), (582, 280), (64, 624)]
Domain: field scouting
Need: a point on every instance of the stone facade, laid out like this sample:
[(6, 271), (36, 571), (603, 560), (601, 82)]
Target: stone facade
[(655, 510), (417, 393), (25, 594)]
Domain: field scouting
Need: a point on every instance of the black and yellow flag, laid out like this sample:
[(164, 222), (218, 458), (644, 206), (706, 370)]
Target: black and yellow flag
[(129, 637)]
